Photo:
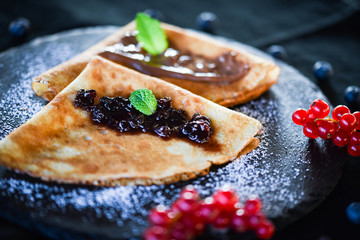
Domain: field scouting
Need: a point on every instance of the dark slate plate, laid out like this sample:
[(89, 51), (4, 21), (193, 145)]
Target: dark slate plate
[(291, 173)]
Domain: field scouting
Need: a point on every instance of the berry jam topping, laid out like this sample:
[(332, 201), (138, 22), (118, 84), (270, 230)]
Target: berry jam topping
[(119, 114), (188, 216), (343, 128)]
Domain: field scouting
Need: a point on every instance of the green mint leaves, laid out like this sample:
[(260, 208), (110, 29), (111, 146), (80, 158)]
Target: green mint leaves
[(150, 34), (144, 101)]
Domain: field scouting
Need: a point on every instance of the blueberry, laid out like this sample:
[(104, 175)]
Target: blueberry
[(206, 21), (322, 70), (155, 14), (278, 52), (352, 95), (353, 212), (20, 27)]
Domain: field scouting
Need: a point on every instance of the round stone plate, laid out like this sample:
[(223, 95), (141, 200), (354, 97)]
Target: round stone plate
[(289, 172)]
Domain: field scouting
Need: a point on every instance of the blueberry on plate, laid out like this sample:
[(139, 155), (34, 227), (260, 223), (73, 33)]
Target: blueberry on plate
[(353, 212), (20, 27), (155, 14), (352, 95), (278, 52), (206, 21), (322, 70)]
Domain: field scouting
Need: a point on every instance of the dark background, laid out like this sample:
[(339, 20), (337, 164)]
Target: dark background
[(309, 30)]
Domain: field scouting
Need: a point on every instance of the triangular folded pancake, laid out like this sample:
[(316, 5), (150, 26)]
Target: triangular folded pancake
[(62, 143), (261, 76)]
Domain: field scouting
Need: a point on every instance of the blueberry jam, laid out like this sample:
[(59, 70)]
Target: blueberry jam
[(119, 114)]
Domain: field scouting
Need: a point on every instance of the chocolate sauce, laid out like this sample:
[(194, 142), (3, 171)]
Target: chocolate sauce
[(176, 63)]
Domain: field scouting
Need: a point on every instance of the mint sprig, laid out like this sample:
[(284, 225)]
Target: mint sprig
[(144, 101), (150, 34)]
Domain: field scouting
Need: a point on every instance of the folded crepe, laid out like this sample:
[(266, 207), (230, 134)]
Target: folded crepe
[(62, 143), (261, 76)]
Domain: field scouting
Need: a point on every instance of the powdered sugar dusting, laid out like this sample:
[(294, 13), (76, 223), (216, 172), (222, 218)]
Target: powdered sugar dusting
[(279, 170)]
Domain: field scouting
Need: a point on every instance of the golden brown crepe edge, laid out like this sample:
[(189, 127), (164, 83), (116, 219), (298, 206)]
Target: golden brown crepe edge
[(139, 181)]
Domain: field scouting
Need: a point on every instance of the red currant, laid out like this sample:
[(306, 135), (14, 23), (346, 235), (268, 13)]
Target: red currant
[(347, 122), (265, 230), (156, 233), (340, 138), (223, 220), (159, 216), (354, 149), (185, 205), (207, 210), (180, 232), (299, 117), (355, 138), (326, 129), (339, 111), (189, 192), (240, 222), (357, 115), (252, 206), (225, 199), (255, 220), (310, 116), (311, 130), (320, 108)]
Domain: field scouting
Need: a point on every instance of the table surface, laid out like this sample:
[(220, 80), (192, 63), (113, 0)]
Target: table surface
[(309, 30)]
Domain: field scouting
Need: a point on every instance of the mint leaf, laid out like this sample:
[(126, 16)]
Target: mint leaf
[(150, 34), (144, 101)]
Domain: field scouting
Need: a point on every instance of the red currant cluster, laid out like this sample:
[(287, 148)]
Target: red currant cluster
[(343, 128), (188, 216)]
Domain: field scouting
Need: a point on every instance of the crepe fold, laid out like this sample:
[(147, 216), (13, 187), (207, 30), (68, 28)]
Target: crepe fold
[(261, 76), (62, 143)]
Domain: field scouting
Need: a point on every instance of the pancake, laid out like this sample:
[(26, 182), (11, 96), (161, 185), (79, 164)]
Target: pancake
[(261, 76), (61, 142)]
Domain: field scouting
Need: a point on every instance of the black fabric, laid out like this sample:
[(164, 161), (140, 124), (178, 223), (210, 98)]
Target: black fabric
[(309, 30)]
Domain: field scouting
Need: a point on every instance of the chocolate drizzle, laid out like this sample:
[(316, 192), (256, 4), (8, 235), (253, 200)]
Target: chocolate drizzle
[(176, 63)]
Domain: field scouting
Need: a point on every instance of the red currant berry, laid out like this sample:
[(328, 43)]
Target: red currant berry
[(185, 206), (347, 122), (355, 138), (310, 116), (265, 230), (320, 108), (156, 233), (190, 191), (340, 138), (299, 117), (225, 199), (159, 216), (252, 206), (240, 222), (255, 220), (207, 210), (354, 149), (223, 220), (357, 115), (326, 129), (339, 111), (181, 232), (311, 130)]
